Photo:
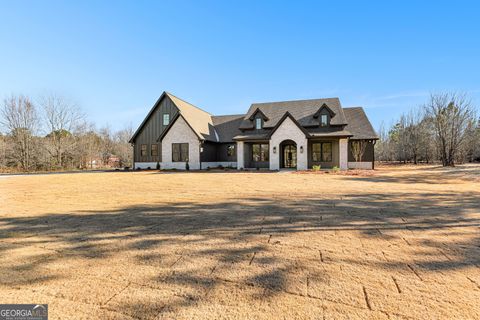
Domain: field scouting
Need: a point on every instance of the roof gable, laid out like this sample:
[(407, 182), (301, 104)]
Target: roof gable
[(301, 110), (199, 120), (258, 112), (150, 113), (284, 117), (172, 123), (320, 110)]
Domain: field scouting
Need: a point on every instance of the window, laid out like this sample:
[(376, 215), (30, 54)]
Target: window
[(324, 120), (258, 123), (322, 152), (327, 152), (166, 119), (179, 152), (231, 150), (154, 150), (143, 150), (260, 152)]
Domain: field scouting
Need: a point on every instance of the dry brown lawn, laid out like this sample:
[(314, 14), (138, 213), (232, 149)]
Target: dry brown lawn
[(401, 243)]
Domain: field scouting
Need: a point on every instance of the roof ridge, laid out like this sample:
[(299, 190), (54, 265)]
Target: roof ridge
[(357, 107), (171, 94), (230, 115), (298, 100)]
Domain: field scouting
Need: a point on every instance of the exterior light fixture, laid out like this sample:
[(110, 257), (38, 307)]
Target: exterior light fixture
[(301, 149), (274, 149), (201, 149)]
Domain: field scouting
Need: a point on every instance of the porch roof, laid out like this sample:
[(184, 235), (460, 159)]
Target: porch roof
[(342, 133), (252, 137)]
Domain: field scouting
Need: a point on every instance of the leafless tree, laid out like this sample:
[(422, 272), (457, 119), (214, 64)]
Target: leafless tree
[(413, 133), (452, 114), (88, 146), (62, 119), (123, 149), (20, 119), (358, 149)]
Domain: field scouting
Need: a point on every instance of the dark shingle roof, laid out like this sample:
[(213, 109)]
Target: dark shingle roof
[(301, 110), (227, 126), (358, 124)]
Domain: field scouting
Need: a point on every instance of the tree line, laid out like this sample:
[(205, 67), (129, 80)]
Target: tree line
[(445, 129), (52, 133)]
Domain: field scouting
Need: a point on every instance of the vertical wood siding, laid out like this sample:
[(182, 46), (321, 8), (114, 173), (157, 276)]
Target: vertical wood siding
[(152, 130)]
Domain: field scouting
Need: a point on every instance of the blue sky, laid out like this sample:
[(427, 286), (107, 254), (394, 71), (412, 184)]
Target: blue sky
[(115, 58)]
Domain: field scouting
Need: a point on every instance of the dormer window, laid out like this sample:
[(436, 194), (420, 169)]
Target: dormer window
[(258, 123), (324, 120)]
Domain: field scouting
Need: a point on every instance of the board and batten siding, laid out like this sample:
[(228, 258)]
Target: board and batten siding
[(152, 130)]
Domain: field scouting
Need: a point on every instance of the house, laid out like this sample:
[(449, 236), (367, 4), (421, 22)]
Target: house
[(288, 134)]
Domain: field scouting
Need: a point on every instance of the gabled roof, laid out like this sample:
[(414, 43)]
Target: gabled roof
[(301, 110), (285, 116), (140, 127), (358, 124), (199, 120), (258, 111), (319, 111)]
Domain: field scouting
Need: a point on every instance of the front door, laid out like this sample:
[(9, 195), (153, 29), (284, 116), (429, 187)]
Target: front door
[(290, 156)]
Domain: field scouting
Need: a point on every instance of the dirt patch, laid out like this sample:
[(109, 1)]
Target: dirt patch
[(395, 243)]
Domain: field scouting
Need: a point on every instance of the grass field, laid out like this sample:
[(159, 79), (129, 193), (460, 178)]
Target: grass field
[(401, 243)]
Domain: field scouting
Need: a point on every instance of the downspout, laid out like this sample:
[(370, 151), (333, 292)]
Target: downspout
[(373, 163), (133, 157), (200, 153)]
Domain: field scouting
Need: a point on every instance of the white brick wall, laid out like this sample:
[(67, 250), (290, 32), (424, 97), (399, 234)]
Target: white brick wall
[(360, 165), (288, 130), (145, 165), (343, 156), (180, 132), (225, 164), (240, 155)]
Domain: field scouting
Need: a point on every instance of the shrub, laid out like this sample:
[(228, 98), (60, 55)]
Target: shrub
[(336, 169), (158, 165), (316, 167)]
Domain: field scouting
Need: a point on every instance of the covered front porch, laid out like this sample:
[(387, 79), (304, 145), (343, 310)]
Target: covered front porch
[(300, 154)]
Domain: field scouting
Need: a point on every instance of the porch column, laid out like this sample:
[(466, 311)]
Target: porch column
[(302, 154), (240, 155), (343, 156), (274, 157)]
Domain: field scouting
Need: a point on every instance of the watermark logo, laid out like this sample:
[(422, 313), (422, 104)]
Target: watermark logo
[(23, 311)]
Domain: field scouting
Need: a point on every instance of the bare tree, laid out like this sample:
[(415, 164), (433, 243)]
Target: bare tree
[(452, 114), (413, 133), (20, 118), (88, 146), (358, 149), (123, 149), (62, 119)]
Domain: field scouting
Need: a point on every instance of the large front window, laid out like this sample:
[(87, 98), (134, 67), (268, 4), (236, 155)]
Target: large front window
[(179, 152), (322, 152), (259, 152)]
